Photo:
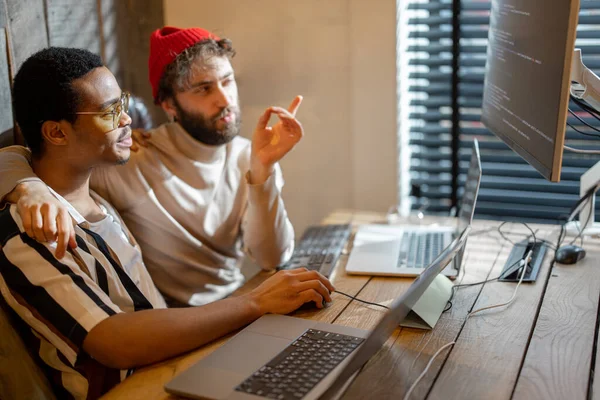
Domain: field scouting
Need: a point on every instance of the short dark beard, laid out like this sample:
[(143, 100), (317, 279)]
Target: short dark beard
[(203, 129)]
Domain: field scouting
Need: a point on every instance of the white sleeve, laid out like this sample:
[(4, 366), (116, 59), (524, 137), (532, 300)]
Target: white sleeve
[(267, 231)]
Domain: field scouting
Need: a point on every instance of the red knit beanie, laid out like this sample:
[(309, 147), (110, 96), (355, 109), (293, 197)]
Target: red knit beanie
[(166, 44)]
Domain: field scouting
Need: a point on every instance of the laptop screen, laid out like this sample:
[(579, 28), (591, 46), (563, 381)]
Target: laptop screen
[(397, 312), (469, 198), (467, 208)]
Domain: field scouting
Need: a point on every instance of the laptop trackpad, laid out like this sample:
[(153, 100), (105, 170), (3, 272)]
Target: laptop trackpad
[(374, 248), (206, 383), (281, 326), (246, 352)]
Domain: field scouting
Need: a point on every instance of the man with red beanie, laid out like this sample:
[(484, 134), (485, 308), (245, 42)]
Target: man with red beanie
[(198, 196)]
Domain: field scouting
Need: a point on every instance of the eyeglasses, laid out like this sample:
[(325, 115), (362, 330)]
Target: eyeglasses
[(116, 110)]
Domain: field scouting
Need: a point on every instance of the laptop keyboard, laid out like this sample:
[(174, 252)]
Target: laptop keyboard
[(419, 249), (300, 366)]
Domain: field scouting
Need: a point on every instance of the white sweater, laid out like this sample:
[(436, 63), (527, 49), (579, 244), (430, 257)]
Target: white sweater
[(191, 209)]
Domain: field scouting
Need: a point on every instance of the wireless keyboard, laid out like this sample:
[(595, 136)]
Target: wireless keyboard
[(320, 247)]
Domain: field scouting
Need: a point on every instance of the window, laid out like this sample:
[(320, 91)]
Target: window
[(510, 188)]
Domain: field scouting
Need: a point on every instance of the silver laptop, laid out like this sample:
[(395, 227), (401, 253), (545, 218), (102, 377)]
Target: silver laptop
[(405, 250), (281, 357)]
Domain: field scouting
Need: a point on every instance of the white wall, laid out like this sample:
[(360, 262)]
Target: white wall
[(341, 56)]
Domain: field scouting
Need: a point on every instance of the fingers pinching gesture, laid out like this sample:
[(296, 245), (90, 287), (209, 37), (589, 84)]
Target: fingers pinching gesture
[(271, 144)]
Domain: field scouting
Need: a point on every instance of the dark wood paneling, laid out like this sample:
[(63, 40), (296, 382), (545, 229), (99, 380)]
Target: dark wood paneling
[(74, 23), (2, 13), (6, 116), (127, 25), (110, 53), (27, 30)]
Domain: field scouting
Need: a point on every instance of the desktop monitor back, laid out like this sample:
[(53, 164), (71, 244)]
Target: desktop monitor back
[(527, 78)]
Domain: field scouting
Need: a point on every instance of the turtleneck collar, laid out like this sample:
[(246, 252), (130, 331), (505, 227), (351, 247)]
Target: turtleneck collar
[(193, 149)]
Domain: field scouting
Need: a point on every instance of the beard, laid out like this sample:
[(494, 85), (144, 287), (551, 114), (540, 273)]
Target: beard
[(126, 132), (124, 160), (205, 130)]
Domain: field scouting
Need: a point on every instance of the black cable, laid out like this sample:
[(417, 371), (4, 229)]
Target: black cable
[(583, 122), (362, 301), (582, 229), (561, 237), (510, 241), (582, 132), (585, 107), (470, 284), (449, 305), (549, 244), (572, 213), (482, 231)]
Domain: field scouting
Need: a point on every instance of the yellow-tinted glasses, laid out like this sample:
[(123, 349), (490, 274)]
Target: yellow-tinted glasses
[(116, 110)]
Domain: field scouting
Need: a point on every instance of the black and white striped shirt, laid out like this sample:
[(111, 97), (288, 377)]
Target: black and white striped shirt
[(60, 301)]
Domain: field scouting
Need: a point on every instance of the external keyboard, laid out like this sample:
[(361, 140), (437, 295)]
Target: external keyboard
[(320, 247), (300, 366)]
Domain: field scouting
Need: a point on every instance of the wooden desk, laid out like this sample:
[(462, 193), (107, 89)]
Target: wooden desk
[(541, 346)]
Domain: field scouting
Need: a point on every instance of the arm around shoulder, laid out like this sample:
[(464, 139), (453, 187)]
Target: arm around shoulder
[(15, 168)]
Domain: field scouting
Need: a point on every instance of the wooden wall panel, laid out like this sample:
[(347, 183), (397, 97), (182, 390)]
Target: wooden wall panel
[(27, 30), (109, 26), (74, 23), (6, 115), (2, 13), (128, 25)]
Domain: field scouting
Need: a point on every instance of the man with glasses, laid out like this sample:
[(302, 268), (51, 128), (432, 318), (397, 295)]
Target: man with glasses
[(199, 196), (96, 314)]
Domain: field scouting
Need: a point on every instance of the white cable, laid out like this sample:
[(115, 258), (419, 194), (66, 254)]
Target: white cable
[(464, 273), (527, 259), (581, 151), (414, 385)]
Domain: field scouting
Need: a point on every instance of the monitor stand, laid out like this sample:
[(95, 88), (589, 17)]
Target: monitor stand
[(586, 226), (512, 271)]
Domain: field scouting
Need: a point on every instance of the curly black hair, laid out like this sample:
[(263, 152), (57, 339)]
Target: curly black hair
[(43, 91), (177, 73)]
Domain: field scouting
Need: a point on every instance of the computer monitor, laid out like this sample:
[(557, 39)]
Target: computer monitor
[(527, 78)]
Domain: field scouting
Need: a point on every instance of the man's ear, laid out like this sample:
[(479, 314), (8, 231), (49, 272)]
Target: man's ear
[(53, 133), (168, 105)]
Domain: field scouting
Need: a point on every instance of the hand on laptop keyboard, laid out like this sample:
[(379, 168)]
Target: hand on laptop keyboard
[(287, 290)]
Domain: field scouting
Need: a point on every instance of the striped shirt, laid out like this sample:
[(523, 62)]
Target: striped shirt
[(59, 301)]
